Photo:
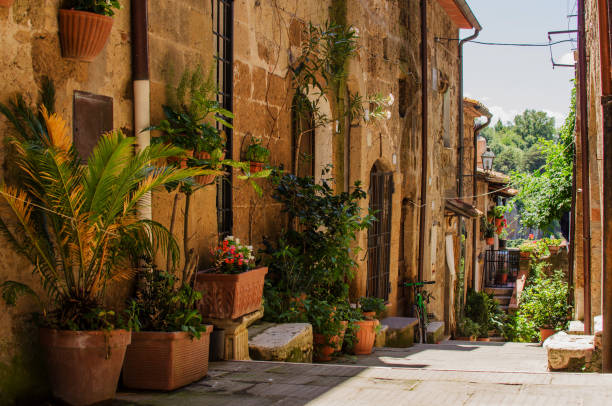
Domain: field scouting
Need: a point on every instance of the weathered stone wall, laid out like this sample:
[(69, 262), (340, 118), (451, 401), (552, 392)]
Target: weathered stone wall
[(29, 49)]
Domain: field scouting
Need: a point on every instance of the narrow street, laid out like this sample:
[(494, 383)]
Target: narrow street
[(451, 373)]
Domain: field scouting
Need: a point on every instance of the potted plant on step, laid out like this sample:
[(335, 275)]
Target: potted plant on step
[(78, 226), (257, 155), (364, 334), (467, 330), (544, 302), (84, 27), (166, 322), (189, 124), (234, 287), (372, 307), (326, 328)]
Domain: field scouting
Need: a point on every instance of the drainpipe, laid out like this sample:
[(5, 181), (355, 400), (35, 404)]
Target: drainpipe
[(477, 130), (140, 77), (424, 135), (586, 188)]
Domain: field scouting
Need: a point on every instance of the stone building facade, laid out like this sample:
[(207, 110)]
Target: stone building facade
[(266, 37)]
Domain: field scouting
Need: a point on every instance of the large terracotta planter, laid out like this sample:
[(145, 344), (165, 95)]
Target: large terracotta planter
[(6, 3), (84, 366), (325, 347), (83, 35), (165, 361), (545, 333), (230, 296), (365, 336)]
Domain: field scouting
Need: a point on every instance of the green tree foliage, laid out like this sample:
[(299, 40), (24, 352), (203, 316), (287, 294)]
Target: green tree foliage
[(533, 126), (545, 193)]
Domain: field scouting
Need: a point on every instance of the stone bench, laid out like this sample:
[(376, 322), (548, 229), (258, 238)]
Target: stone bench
[(291, 342), (435, 332), (399, 331), (572, 353)]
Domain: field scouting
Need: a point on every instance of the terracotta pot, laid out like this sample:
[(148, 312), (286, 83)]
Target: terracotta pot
[(473, 338), (498, 223), (340, 341), (365, 336), (181, 162), (525, 254), (324, 347), (462, 338), (226, 296), (84, 366), (204, 179), (6, 3), (504, 278), (545, 333), (165, 361), (256, 167), (484, 339), (83, 35), (554, 249), (369, 315), (490, 241)]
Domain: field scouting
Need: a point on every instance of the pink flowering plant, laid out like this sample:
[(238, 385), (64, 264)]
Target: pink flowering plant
[(231, 257)]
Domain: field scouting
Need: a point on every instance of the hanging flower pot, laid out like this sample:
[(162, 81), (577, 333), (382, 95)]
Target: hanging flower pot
[(6, 3), (83, 35), (204, 179), (180, 161), (256, 167)]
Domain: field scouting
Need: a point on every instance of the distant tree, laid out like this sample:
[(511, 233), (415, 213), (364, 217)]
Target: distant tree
[(533, 159), (534, 125), (499, 126)]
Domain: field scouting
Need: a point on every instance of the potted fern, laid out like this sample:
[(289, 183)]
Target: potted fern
[(84, 27), (257, 155), (79, 228)]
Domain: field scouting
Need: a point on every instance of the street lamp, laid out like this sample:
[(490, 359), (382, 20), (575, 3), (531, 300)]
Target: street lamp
[(487, 159)]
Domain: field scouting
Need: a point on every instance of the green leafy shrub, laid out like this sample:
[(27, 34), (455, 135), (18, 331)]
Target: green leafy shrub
[(256, 152), (544, 301), (468, 328), (103, 7), (481, 308), (372, 304)]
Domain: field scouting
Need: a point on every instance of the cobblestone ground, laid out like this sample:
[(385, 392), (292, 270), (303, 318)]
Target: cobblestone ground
[(466, 375)]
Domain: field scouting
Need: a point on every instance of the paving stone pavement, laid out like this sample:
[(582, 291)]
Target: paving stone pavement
[(468, 377)]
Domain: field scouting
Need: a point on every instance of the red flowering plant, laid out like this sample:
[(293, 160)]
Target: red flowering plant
[(231, 257)]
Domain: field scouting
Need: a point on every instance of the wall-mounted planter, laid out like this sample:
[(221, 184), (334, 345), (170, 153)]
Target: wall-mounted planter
[(84, 366), (256, 167), (6, 3), (204, 179), (165, 361), (229, 296), (83, 35)]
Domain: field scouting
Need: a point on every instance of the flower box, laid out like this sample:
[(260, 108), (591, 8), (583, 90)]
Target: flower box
[(229, 296)]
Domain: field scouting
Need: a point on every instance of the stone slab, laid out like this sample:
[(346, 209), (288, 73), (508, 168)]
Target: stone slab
[(435, 332), (568, 352), (381, 337), (400, 333), (291, 342)]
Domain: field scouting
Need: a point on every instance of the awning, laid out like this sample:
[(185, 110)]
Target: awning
[(460, 208)]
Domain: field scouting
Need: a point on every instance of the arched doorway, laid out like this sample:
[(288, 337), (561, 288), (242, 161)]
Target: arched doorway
[(379, 235)]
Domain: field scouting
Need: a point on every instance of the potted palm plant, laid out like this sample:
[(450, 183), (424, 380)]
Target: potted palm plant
[(84, 27), (234, 287), (78, 226), (189, 123), (165, 321), (257, 155)]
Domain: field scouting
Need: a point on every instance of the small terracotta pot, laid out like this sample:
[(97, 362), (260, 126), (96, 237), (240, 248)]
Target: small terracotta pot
[(365, 336), (84, 366), (165, 361), (525, 254), (256, 167), (490, 241), (462, 338), (498, 223), (504, 278), (83, 35), (229, 296), (181, 162), (484, 339), (473, 338), (545, 333), (6, 3), (369, 315), (554, 249), (324, 347)]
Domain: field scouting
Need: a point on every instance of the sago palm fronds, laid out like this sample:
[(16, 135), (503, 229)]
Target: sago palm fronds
[(78, 225)]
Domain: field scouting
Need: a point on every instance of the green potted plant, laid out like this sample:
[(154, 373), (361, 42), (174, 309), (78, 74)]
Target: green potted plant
[(544, 302), (467, 330), (166, 322), (528, 248), (234, 287), (326, 328), (78, 226), (553, 245), (364, 334), (84, 27), (372, 307), (489, 233), (189, 123), (257, 155)]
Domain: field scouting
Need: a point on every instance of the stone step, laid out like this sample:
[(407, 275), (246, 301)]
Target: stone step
[(400, 331), (503, 300), (435, 332), (499, 291), (291, 342)]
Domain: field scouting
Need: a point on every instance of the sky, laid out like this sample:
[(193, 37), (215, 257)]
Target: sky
[(509, 80)]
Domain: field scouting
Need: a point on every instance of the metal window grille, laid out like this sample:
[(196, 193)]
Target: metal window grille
[(223, 24), (498, 262), (379, 235)]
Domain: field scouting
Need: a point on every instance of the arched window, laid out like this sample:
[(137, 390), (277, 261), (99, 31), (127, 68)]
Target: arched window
[(303, 130)]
